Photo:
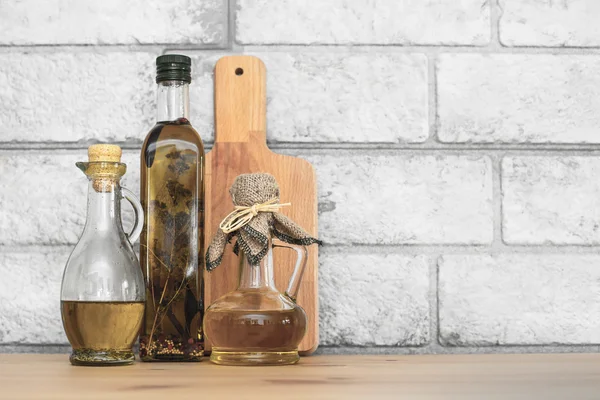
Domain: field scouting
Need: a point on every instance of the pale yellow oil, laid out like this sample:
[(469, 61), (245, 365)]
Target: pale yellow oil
[(102, 332)]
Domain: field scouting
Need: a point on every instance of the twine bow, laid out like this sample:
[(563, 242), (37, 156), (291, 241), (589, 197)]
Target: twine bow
[(253, 221), (242, 215)]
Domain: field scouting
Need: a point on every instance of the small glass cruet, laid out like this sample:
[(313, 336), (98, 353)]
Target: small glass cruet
[(103, 290), (256, 324)]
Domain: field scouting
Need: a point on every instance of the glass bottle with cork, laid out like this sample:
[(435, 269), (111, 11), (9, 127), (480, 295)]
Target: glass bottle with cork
[(103, 291), (172, 195)]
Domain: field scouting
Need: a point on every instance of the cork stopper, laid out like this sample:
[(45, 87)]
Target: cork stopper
[(104, 166), (104, 152)]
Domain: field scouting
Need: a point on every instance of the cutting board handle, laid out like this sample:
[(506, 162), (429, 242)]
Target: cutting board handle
[(240, 100)]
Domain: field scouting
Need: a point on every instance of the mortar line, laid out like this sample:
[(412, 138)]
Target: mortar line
[(495, 15), (230, 25), (454, 247), (441, 249), (314, 48), (434, 315), (423, 49), (108, 48), (193, 52), (236, 48), (435, 149), (501, 202), (433, 349), (431, 100), (513, 149), (497, 242), (431, 250)]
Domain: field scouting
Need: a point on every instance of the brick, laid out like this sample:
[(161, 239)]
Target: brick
[(564, 23), (365, 299), (73, 97), (518, 98), (363, 199), (551, 200), (30, 296), (43, 197), (403, 199), (407, 22), (345, 97), (525, 299), (53, 22), (65, 97), (373, 300)]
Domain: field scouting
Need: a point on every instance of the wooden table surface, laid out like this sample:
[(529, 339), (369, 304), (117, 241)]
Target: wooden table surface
[(532, 377)]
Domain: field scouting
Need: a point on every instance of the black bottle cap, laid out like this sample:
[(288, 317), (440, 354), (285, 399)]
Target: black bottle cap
[(173, 67)]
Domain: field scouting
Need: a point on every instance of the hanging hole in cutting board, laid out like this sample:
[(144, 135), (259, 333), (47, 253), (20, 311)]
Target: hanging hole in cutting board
[(239, 71)]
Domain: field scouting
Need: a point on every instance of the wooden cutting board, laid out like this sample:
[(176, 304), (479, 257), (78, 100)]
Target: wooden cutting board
[(241, 147)]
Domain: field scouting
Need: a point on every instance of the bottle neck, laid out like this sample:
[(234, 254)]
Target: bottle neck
[(104, 207), (259, 276), (173, 101)]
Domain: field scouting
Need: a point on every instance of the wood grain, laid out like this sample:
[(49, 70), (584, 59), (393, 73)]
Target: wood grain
[(241, 147), (511, 377)]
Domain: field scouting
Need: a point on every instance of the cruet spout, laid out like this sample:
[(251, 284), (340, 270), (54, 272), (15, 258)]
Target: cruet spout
[(82, 166), (299, 268)]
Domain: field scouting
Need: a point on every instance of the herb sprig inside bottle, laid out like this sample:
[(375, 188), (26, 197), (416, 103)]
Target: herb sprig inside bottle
[(171, 247)]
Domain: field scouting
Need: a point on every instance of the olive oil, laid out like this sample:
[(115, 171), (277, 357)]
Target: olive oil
[(172, 195), (102, 332)]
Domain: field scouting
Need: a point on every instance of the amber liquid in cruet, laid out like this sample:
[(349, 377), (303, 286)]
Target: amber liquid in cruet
[(267, 331), (255, 324)]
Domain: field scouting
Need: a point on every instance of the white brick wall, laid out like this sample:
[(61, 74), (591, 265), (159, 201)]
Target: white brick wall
[(45, 97), (520, 98), (43, 196), (396, 199), (30, 285), (420, 22), (519, 299), (558, 23), (392, 108), (31, 22), (456, 143), (374, 299), (551, 200)]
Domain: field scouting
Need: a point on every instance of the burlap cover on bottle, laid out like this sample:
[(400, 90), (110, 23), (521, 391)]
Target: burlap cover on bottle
[(256, 196)]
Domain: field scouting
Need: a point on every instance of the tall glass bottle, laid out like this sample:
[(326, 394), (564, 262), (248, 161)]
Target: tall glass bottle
[(171, 246)]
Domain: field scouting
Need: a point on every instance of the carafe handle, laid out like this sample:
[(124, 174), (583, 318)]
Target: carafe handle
[(299, 268), (139, 214)]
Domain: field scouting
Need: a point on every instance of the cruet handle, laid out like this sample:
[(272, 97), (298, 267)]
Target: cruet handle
[(299, 268), (139, 214)]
